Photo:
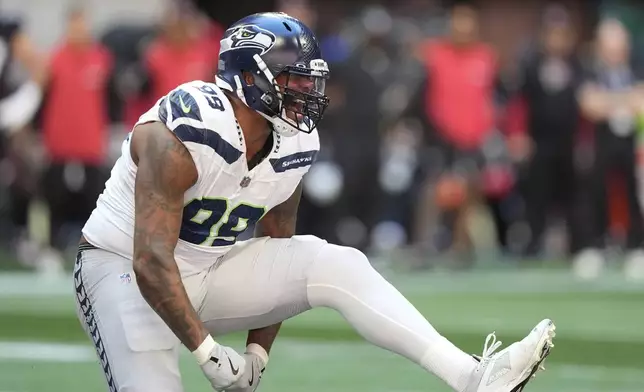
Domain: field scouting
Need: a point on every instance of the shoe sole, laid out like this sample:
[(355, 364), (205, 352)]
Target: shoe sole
[(540, 354)]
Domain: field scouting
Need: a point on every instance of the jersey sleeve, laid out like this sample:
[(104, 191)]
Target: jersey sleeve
[(199, 116)]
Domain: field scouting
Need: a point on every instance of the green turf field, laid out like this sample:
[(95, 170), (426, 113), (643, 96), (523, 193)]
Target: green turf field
[(598, 346)]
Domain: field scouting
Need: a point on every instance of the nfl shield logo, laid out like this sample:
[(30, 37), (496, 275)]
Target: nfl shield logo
[(244, 182), (126, 278)]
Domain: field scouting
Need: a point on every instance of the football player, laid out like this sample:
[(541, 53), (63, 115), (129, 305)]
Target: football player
[(159, 266)]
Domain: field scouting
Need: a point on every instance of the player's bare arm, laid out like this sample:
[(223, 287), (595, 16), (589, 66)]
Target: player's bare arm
[(280, 221), (265, 337), (165, 171)]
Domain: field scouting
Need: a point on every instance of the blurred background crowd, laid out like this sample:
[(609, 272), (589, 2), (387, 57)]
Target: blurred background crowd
[(459, 134)]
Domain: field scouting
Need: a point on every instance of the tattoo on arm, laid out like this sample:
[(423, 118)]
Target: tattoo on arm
[(165, 171), (280, 221)]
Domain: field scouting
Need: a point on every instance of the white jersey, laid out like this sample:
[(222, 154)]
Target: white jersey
[(227, 197)]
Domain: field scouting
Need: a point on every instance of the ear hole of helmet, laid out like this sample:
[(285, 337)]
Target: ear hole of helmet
[(249, 79)]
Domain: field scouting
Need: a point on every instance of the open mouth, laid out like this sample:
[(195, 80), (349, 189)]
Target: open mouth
[(295, 109)]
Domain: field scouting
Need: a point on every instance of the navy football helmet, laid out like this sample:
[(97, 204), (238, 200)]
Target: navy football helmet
[(289, 73)]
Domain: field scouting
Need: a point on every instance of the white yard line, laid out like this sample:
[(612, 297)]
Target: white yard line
[(46, 352), (31, 285)]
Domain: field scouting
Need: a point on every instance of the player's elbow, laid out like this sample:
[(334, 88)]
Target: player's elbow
[(141, 269), (150, 266)]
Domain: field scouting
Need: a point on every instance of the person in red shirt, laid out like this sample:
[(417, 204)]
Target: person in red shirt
[(459, 108), (186, 49), (180, 54), (75, 127)]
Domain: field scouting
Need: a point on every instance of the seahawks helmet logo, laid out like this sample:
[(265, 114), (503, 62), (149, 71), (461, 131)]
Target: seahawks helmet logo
[(248, 37)]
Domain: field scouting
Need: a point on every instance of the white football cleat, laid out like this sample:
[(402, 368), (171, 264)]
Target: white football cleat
[(510, 369)]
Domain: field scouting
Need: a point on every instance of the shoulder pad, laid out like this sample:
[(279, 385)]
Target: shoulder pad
[(199, 112)]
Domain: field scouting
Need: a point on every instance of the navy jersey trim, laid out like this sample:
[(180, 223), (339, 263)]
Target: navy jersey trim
[(180, 101), (184, 105), (163, 111), (212, 139), (294, 161)]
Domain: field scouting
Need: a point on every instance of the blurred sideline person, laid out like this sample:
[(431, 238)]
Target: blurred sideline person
[(159, 264), (181, 51), (18, 106), (613, 98), (460, 113), (549, 80), (75, 132)]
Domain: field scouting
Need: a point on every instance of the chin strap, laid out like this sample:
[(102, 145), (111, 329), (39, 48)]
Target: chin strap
[(240, 90)]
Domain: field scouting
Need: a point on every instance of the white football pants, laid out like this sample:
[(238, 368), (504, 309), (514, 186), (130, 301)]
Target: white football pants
[(260, 282)]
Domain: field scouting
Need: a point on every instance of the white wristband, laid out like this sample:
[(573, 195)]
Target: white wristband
[(258, 350), (203, 352)]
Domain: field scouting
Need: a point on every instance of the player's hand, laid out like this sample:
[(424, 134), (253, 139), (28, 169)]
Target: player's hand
[(222, 365), (256, 359)]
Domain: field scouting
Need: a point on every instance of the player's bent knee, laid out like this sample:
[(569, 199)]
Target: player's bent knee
[(337, 265), (339, 274), (342, 257)]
